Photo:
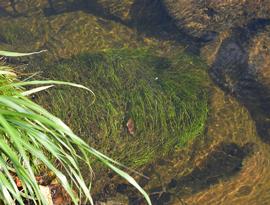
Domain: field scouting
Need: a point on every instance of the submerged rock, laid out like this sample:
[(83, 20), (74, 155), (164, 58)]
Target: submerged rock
[(205, 18), (118, 8), (241, 68)]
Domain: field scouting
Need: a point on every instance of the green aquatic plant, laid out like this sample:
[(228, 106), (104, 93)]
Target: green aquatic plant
[(165, 98), (32, 138), (13, 34)]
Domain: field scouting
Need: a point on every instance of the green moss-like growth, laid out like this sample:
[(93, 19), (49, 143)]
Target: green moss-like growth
[(13, 34), (165, 97)]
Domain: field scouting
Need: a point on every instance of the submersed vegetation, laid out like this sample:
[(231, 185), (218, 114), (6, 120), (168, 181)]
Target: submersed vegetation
[(162, 99), (16, 34), (32, 140)]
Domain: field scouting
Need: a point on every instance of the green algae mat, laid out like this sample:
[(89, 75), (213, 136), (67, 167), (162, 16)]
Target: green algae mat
[(145, 105)]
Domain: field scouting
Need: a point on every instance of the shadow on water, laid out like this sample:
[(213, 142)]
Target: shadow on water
[(236, 76), (4, 13), (89, 6), (224, 162), (148, 17)]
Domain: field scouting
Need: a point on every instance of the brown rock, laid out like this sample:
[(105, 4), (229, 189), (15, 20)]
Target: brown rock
[(242, 68), (259, 56), (202, 19), (118, 8)]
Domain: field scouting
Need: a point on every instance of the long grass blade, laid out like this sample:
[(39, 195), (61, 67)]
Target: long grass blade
[(17, 54)]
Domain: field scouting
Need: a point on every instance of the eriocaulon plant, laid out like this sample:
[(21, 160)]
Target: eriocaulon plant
[(31, 137)]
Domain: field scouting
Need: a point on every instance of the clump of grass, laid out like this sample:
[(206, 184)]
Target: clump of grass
[(31, 137), (165, 97), (14, 34)]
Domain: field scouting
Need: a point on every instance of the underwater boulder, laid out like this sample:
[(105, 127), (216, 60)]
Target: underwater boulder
[(241, 68), (204, 19), (119, 9)]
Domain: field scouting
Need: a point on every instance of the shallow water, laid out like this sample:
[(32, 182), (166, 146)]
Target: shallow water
[(229, 162)]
